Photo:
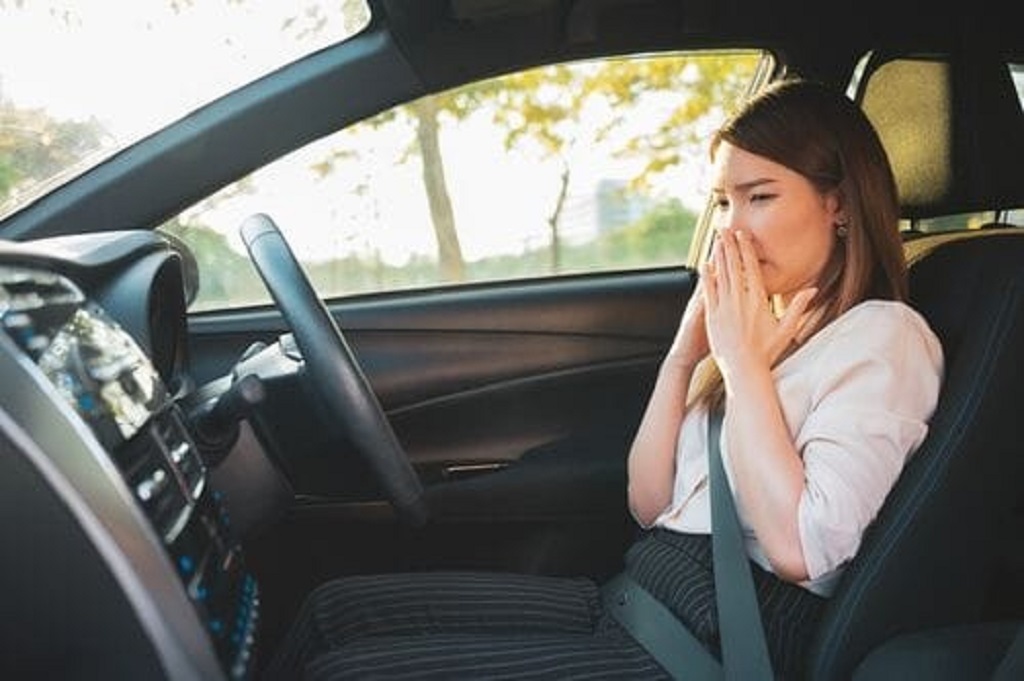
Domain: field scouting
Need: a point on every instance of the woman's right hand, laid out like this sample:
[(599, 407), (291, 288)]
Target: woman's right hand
[(690, 344)]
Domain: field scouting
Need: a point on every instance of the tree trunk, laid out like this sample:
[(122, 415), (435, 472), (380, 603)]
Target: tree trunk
[(449, 251), (554, 218)]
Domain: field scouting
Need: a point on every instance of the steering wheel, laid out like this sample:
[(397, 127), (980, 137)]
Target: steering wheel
[(332, 368)]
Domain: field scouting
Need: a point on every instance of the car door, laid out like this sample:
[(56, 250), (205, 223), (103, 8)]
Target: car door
[(508, 261)]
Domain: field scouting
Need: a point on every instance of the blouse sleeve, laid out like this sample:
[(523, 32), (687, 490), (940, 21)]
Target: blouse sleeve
[(879, 383)]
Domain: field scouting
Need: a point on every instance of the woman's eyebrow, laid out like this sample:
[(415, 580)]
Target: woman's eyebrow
[(746, 186), (753, 184)]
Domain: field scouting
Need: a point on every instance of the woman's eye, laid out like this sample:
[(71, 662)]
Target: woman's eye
[(757, 198), (721, 203)]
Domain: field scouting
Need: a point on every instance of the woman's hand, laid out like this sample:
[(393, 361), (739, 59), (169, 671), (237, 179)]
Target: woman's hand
[(746, 340), (690, 344), (742, 330)]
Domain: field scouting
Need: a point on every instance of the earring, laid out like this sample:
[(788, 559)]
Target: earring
[(841, 228)]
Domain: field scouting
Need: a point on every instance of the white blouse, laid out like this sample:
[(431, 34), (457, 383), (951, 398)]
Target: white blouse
[(857, 397)]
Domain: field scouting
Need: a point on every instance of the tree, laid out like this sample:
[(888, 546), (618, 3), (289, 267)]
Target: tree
[(549, 107), (711, 83), (34, 147), (547, 111), (425, 111), (227, 276), (545, 106), (425, 117)]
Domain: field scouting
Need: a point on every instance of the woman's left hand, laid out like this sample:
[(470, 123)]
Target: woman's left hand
[(743, 331)]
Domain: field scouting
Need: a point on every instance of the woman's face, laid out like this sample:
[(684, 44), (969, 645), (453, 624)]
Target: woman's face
[(791, 224)]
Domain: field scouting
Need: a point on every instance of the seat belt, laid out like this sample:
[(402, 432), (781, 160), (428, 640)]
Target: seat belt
[(659, 632), (1012, 665), (677, 650), (744, 649)]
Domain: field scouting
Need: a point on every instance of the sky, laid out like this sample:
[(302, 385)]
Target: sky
[(135, 64)]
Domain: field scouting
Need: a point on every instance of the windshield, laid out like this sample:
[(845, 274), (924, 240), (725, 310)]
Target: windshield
[(81, 79)]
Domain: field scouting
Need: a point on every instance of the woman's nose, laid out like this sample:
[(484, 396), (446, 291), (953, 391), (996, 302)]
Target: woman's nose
[(728, 220)]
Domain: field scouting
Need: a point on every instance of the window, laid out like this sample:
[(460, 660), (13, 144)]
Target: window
[(570, 168), (80, 80), (954, 223)]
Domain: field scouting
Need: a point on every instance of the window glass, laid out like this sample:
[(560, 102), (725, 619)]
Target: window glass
[(1015, 216), (951, 223), (1017, 73), (81, 79), (570, 168)]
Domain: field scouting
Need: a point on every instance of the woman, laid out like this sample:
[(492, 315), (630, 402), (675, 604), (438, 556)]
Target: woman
[(827, 379)]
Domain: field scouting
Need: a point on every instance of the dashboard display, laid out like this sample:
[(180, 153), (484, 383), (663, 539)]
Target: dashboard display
[(102, 373), (94, 364)]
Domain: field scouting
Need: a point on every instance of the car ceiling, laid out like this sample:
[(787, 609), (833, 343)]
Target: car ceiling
[(458, 39), (414, 47)]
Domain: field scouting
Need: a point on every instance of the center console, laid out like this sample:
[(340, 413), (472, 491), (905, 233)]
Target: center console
[(102, 375)]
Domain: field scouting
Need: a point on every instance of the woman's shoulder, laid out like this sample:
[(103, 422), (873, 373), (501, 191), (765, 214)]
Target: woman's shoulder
[(885, 315), (887, 326), (893, 312)]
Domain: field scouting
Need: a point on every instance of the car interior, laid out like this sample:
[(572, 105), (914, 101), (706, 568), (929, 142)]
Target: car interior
[(176, 482)]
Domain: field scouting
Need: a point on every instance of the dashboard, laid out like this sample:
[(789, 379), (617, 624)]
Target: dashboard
[(121, 556)]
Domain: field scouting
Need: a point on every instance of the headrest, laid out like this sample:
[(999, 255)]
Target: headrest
[(953, 127)]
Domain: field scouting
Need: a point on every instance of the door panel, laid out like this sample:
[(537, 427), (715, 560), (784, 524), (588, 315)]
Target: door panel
[(472, 379), (516, 404)]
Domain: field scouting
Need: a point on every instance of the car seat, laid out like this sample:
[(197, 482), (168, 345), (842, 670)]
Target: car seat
[(933, 556)]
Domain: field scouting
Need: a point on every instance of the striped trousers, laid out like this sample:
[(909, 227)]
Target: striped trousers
[(482, 625)]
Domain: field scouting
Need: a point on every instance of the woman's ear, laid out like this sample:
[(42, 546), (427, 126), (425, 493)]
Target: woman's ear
[(837, 214), (834, 205)]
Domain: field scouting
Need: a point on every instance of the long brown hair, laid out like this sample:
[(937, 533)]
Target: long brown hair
[(823, 135)]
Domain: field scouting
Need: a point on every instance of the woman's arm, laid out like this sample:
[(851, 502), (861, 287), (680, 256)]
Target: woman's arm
[(767, 470), (652, 458), (876, 385)]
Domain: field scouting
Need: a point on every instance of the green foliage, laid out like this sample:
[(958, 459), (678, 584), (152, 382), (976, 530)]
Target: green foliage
[(35, 147), (526, 106), (660, 237), (227, 278)]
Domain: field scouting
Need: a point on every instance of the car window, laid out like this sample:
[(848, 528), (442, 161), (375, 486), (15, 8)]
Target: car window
[(80, 80), (569, 168), (957, 222)]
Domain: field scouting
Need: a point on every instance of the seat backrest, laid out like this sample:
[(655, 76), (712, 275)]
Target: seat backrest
[(929, 557)]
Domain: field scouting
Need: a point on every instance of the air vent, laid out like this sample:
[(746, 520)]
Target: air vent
[(155, 484), (180, 452), (24, 289)]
